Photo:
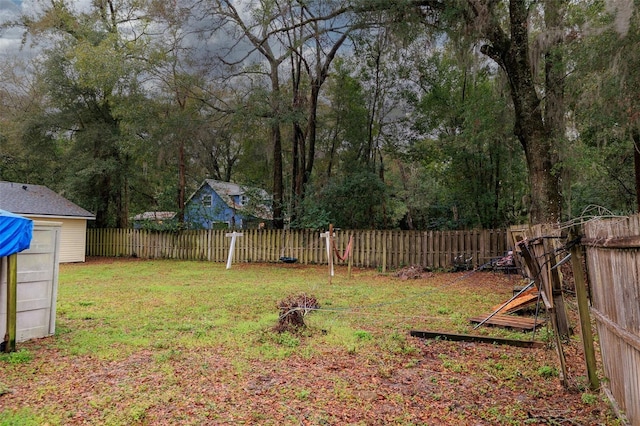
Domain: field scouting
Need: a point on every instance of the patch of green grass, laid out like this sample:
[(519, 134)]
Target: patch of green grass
[(547, 372), (363, 335), (21, 356), (22, 417), (303, 394), (397, 343), (219, 323), (443, 310), (589, 398), (111, 310)]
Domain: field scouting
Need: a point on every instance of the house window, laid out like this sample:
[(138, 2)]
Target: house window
[(207, 200)]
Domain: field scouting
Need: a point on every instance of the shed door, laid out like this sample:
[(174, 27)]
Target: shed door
[(37, 285)]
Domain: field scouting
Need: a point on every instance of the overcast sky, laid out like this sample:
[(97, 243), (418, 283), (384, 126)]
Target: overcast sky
[(10, 38)]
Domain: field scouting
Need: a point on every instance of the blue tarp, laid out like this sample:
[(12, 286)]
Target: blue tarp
[(15, 233)]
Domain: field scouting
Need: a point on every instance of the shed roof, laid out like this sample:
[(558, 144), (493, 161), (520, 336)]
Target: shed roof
[(27, 199)]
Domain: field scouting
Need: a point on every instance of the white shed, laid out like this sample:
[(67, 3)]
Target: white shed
[(39, 203)]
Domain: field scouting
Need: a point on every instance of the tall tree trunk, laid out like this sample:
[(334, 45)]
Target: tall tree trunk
[(278, 193), (298, 137), (308, 137), (182, 179), (103, 189), (276, 140), (312, 128), (122, 215), (636, 161), (554, 108), (512, 54)]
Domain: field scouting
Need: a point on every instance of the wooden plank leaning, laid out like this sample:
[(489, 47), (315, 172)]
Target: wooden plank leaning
[(535, 270)]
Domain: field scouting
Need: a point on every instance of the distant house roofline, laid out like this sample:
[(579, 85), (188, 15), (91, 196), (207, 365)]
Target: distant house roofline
[(49, 216), (155, 216)]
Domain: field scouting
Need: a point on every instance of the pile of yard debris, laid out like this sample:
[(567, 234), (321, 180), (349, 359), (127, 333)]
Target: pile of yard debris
[(413, 272), (293, 309)]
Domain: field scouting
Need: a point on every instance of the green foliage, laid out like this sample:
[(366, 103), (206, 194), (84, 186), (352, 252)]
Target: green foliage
[(547, 372), (349, 117), (353, 201), (363, 335), (19, 357), (589, 398), (470, 164), (413, 122), (604, 88), (22, 417)]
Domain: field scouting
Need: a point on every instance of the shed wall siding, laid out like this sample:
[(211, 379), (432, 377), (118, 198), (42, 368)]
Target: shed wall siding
[(73, 238)]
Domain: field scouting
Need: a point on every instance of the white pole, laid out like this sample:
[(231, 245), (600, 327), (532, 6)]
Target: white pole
[(326, 236), (232, 248)]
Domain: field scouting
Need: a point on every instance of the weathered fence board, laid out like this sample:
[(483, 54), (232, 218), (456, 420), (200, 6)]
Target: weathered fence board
[(613, 259), (370, 248)]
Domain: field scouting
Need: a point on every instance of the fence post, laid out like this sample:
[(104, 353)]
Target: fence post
[(12, 297), (583, 308), (350, 257)]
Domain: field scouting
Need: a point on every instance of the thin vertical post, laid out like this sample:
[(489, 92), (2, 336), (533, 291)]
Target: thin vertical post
[(350, 257), (12, 302), (233, 236), (384, 253), (328, 240), (330, 252)]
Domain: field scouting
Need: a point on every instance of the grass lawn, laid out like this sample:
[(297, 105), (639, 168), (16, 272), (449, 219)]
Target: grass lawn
[(190, 343)]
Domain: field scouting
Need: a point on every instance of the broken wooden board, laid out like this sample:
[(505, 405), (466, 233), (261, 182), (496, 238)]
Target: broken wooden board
[(471, 338), (522, 301), (510, 321)]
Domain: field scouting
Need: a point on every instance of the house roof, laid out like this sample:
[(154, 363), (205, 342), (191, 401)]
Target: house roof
[(155, 216), (227, 191), (27, 199)]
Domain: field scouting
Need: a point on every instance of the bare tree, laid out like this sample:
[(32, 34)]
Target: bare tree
[(265, 38)]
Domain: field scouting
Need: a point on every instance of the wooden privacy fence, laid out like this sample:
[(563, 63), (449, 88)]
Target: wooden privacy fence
[(612, 250), (391, 249), (613, 263)]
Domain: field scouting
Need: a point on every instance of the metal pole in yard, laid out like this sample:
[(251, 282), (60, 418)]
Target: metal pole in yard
[(328, 240), (232, 248)]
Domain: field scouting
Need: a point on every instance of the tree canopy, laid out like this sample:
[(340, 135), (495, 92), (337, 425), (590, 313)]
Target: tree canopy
[(414, 114)]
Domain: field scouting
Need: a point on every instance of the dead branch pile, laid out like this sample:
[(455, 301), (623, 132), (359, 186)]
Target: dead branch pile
[(293, 310), (413, 272)]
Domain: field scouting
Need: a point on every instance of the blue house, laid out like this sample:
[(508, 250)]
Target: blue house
[(226, 205)]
